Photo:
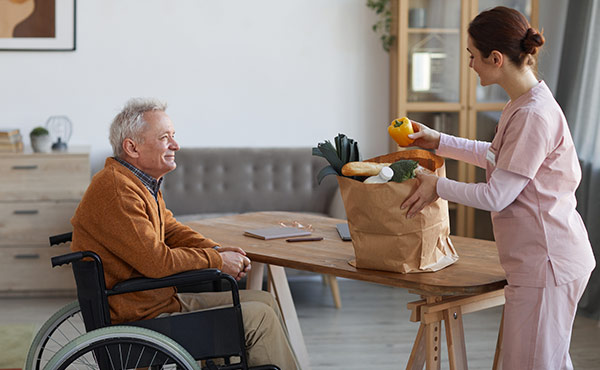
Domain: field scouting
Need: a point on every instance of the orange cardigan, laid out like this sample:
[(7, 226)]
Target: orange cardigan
[(119, 220)]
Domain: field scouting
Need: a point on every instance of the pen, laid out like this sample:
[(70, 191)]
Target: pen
[(304, 239)]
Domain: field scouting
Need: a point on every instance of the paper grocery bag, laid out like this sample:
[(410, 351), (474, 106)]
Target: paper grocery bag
[(382, 236)]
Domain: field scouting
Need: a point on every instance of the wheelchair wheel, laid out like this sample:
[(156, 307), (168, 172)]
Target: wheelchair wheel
[(61, 328), (122, 347)]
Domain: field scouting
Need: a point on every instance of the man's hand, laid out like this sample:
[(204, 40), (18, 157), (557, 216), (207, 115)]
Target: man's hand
[(425, 194), (235, 262)]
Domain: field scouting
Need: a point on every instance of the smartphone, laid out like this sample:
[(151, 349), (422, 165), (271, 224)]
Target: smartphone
[(343, 231)]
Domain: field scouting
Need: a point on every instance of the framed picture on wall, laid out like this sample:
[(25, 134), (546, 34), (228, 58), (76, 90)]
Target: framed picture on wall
[(37, 25)]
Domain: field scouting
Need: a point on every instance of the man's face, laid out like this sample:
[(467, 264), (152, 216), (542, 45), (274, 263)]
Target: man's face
[(157, 152)]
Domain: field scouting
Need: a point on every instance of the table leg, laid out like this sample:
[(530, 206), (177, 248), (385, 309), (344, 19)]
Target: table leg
[(288, 311), (431, 311), (498, 355), (455, 339), (432, 343), (335, 290), (416, 361), (254, 280)]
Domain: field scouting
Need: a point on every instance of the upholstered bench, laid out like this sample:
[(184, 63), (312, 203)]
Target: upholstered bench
[(213, 182)]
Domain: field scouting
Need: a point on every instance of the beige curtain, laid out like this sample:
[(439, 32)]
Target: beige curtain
[(578, 92)]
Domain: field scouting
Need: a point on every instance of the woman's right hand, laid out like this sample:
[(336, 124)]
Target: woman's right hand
[(424, 136)]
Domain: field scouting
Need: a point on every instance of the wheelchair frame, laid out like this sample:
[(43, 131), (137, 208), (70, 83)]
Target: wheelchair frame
[(175, 337)]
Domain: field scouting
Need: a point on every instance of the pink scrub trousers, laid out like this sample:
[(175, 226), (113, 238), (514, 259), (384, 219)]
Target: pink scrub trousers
[(538, 324)]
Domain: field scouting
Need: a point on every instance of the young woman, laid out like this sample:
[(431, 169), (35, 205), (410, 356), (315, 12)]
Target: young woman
[(532, 172)]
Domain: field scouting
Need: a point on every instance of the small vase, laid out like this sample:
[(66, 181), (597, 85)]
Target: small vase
[(41, 144)]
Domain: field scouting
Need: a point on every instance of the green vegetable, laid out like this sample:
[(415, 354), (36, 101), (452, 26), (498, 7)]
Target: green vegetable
[(404, 169), (345, 150)]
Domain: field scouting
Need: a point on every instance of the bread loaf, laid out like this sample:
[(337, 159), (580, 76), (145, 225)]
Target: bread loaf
[(362, 168)]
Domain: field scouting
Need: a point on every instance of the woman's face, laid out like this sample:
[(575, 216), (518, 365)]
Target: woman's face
[(484, 67)]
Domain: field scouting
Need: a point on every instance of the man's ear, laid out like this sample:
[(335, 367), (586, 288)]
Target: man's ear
[(497, 58), (130, 148)]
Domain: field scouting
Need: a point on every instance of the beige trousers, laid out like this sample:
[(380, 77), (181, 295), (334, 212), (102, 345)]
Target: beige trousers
[(267, 341)]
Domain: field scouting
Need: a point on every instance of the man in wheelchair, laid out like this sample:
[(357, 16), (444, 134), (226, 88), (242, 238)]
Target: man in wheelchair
[(123, 218)]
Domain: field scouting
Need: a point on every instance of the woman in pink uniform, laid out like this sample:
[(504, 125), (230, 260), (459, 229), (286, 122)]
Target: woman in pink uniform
[(532, 172)]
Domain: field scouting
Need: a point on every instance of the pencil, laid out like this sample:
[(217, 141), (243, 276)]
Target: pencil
[(316, 239)]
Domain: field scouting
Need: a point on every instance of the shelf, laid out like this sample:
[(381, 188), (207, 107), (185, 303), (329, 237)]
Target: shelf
[(433, 107), (450, 31)]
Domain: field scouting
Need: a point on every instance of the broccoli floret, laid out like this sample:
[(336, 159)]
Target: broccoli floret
[(404, 169)]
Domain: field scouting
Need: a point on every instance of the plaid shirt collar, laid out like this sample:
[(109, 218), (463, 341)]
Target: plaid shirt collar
[(152, 184)]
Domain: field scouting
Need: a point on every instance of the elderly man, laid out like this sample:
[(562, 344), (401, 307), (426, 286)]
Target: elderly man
[(123, 218)]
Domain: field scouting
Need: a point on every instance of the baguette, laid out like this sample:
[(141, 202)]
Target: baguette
[(362, 168)]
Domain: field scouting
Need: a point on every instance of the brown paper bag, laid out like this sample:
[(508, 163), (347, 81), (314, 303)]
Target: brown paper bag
[(382, 236)]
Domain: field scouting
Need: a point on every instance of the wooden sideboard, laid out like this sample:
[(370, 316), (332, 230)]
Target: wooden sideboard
[(39, 193)]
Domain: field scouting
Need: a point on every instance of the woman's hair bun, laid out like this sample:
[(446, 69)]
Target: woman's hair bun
[(532, 41)]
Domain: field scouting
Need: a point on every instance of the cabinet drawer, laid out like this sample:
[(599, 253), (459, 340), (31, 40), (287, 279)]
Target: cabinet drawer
[(44, 177), (30, 269), (33, 222)]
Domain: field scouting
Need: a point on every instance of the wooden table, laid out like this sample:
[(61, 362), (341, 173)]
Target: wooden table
[(473, 283)]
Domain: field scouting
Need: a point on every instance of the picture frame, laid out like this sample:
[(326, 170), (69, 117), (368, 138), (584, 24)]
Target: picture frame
[(41, 25)]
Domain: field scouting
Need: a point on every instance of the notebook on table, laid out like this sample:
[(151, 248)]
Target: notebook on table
[(276, 232)]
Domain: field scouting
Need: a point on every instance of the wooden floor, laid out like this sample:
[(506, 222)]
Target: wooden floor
[(371, 331)]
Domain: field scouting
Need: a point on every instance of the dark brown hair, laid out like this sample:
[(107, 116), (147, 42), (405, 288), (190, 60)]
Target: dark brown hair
[(508, 31)]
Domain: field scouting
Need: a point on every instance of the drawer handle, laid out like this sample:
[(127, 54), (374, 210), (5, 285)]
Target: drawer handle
[(26, 167), (32, 256), (26, 212)]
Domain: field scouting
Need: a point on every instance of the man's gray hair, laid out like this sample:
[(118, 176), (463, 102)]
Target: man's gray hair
[(129, 123)]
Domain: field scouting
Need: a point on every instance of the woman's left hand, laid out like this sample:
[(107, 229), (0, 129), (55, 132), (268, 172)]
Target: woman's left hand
[(425, 194)]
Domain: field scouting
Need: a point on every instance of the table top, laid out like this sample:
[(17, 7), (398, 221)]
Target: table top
[(477, 271)]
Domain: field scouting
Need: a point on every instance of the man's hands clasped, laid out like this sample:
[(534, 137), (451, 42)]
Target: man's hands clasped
[(235, 262)]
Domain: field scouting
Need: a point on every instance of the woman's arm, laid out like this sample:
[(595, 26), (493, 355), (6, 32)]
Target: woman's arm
[(495, 195), (470, 151)]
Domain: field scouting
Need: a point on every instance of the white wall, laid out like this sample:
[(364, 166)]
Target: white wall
[(235, 73)]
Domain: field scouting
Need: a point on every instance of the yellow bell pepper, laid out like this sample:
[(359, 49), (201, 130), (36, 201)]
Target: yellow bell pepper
[(399, 130)]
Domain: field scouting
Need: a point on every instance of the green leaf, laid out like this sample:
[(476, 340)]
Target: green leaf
[(317, 152), (330, 154), (343, 148), (325, 171)]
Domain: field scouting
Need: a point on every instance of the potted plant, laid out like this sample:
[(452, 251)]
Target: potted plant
[(40, 140)]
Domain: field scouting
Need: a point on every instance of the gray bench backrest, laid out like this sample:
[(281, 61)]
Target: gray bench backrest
[(237, 180)]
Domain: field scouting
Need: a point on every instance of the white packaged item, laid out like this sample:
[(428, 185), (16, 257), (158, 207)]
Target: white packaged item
[(384, 176)]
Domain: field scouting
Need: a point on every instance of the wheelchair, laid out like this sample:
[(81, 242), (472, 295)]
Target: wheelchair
[(82, 335)]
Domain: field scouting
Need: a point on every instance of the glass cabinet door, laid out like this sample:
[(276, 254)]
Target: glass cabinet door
[(494, 93), (433, 50)]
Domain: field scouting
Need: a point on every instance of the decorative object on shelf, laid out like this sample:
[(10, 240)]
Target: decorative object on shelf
[(383, 10), (40, 140), (60, 128), (37, 25), (417, 18), (11, 140), (428, 58)]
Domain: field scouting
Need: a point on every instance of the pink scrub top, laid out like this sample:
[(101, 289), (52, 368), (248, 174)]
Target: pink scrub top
[(542, 224)]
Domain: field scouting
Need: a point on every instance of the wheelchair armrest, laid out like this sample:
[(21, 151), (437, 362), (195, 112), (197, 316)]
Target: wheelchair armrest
[(180, 279)]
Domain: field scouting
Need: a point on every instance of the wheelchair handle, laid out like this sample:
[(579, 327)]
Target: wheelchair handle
[(61, 238), (72, 257)]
